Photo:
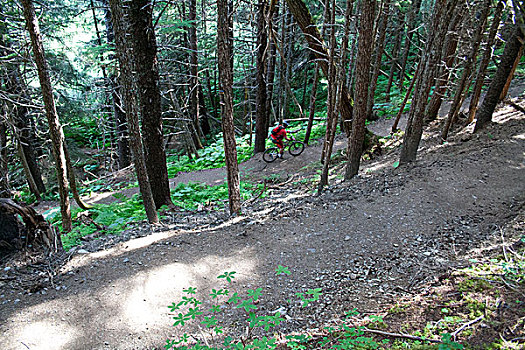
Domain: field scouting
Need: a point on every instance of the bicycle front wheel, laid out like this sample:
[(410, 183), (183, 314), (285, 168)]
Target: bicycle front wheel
[(296, 148), (270, 154)]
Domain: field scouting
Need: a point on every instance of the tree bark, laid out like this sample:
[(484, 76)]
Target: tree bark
[(331, 122), (379, 48), (23, 125), (468, 67), (287, 49), (510, 53), (224, 55), (146, 67), (395, 54), (121, 127), (262, 120), (425, 79), (313, 93), (194, 70), (55, 129), (505, 90), (487, 54), (5, 191), (364, 53), (411, 23), (26, 137), (121, 28), (442, 80), (315, 43), (311, 109), (272, 60)]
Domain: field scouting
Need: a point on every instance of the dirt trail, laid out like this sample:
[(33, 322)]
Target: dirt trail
[(366, 242)]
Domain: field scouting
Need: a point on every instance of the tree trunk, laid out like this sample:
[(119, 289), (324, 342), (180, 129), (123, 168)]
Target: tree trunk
[(26, 137), (121, 29), (442, 80), (315, 43), (145, 57), (5, 191), (313, 93), (203, 112), (287, 48), (364, 53), (379, 48), (411, 23), (272, 60), (311, 109), (262, 121), (55, 129), (326, 32), (487, 54), (29, 176), (428, 64), (194, 69), (510, 53), (121, 127), (395, 53), (331, 122), (24, 129), (224, 54), (468, 67), (505, 90)]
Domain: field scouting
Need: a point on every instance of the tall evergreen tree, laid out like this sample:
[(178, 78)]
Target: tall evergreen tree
[(424, 80), (144, 56), (364, 54), (55, 129), (225, 55), (262, 121), (121, 126), (123, 48)]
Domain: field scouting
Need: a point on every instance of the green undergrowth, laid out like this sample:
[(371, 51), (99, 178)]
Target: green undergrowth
[(207, 318), (210, 157), (192, 195), (116, 217), (110, 218)]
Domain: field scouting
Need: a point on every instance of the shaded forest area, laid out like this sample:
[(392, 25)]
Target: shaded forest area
[(103, 98), (141, 82)]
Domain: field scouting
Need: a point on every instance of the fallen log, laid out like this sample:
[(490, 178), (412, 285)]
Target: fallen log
[(21, 228)]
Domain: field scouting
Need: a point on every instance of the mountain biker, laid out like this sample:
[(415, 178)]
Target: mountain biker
[(278, 135)]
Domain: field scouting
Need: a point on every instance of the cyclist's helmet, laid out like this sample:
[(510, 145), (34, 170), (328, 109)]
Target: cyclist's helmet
[(285, 123)]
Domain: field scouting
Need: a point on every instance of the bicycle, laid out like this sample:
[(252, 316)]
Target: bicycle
[(295, 148)]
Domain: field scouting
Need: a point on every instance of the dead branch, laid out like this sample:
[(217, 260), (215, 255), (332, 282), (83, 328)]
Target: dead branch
[(400, 335), (464, 326)]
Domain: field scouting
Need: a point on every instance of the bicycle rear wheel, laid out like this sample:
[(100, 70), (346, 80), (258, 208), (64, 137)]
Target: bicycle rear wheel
[(271, 154), (296, 148)]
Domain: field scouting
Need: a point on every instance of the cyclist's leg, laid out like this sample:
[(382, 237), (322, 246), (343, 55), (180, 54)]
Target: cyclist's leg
[(280, 144)]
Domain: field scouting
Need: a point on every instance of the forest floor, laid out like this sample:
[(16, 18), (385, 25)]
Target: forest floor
[(389, 239)]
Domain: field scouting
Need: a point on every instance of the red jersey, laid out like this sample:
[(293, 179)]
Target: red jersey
[(279, 133)]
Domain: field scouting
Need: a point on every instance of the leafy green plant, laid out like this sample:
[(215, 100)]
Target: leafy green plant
[(115, 217), (190, 309), (211, 318), (190, 196), (110, 218), (210, 157)]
